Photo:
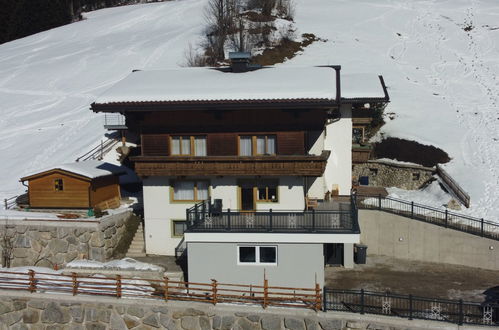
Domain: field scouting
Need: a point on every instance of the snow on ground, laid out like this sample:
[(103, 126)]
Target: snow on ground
[(125, 263), (17, 215), (443, 80)]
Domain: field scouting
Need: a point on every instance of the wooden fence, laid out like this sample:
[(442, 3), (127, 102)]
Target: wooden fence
[(454, 187), (164, 289)]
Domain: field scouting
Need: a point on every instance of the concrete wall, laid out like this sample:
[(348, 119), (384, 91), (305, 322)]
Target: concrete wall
[(400, 237), (338, 139), (22, 310), (389, 174), (159, 210), (298, 265), (46, 243)]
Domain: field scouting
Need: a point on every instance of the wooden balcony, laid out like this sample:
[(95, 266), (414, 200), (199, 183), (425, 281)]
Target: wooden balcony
[(300, 165), (361, 154)]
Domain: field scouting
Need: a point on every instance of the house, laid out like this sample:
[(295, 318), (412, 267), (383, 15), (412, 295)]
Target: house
[(75, 185), (230, 157)]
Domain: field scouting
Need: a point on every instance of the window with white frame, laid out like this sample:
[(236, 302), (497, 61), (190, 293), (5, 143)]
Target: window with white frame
[(185, 145), (256, 255), (190, 191)]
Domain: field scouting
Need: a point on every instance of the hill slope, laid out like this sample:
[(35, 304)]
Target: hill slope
[(440, 61)]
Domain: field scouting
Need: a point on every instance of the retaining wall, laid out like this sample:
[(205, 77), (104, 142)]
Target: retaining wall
[(22, 310), (49, 242), (395, 236)]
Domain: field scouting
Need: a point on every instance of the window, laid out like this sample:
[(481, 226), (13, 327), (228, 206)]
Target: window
[(185, 145), (253, 145), (357, 134), (191, 191), (58, 185), (267, 191), (266, 255), (178, 228)]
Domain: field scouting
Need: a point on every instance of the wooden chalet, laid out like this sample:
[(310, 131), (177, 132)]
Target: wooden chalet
[(89, 184)]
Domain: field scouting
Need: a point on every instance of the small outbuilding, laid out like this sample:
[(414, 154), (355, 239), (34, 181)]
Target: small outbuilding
[(88, 184)]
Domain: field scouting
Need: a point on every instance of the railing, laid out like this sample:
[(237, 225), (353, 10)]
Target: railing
[(180, 248), (201, 218), (410, 307), (163, 289), (98, 151), (114, 121), (444, 218), (453, 187), (10, 202)]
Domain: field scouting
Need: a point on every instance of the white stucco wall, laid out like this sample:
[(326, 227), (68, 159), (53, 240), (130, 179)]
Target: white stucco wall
[(159, 211), (338, 140)]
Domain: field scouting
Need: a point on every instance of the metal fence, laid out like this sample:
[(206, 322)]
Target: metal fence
[(410, 307), (444, 218), (202, 218)]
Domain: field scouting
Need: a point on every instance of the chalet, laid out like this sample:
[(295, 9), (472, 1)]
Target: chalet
[(75, 185), (236, 164)]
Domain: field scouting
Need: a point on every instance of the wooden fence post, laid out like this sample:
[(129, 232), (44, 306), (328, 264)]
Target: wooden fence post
[(118, 286), (265, 292), (166, 288), (214, 291), (75, 283), (32, 281), (318, 302)]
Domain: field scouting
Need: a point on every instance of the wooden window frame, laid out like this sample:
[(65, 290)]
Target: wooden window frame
[(195, 200), (363, 129), (192, 151), (173, 221), (257, 261), (56, 184), (254, 148), (266, 186)]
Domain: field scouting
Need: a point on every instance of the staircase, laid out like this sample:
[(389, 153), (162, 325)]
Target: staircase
[(137, 247)]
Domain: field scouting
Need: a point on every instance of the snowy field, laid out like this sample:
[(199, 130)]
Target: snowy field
[(443, 80)]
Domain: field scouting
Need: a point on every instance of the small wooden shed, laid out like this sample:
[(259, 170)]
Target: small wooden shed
[(85, 184)]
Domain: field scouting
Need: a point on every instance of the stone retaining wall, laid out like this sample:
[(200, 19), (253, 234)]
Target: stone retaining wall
[(388, 174), (21, 310), (46, 242)]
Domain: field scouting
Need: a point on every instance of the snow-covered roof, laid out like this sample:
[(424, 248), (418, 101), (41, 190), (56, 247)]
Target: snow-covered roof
[(91, 169), (361, 86), (206, 84)]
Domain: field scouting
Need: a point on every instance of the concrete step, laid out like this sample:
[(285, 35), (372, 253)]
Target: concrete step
[(137, 246)]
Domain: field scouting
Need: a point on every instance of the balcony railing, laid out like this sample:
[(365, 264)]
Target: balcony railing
[(202, 218)]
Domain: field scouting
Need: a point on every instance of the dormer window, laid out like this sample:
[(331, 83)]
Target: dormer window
[(257, 145)]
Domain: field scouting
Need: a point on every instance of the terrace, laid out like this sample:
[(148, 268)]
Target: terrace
[(203, 217)]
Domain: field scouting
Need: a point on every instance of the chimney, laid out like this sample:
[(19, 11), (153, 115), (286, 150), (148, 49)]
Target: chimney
[(239, 61)]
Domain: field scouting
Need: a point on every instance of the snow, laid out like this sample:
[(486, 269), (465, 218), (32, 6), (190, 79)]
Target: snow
[(361, 85), (20, 215), (91, 169), (126, 263), (205, 84), (443, 81)]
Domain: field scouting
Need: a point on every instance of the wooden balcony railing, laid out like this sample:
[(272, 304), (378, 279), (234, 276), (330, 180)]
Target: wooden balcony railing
[(300, 165)]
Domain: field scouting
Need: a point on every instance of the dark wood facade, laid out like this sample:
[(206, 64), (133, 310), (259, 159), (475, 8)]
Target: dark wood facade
[(74, 191)]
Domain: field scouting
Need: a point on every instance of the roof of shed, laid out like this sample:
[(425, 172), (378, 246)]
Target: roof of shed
[(90, 169)]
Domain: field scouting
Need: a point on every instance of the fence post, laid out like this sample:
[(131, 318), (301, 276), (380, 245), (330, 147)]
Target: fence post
[(318, 306), (228, 219), (379, 202), (196, 213), (410, 307), (214, 290), (461, 316), (412, 210), (446, 218), (265, 293), (203, 211), (75, 283), (270, 220), (5, 203), (118, 286), (101, 149), (324, 299), (362, 301), (481, 227), (313, 219), (166, 287), (32, 281)]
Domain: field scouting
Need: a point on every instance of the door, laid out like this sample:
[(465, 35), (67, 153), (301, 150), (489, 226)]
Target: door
[(333, 254), (247, 199)]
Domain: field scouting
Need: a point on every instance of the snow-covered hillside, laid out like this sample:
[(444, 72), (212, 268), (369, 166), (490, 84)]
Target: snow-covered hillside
[(443, 80)]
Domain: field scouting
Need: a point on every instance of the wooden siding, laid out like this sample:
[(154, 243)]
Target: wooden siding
[(155, 144), (231, 165), (103, 189), (75, 193), (360, 155), (222, 144), (291, 143)]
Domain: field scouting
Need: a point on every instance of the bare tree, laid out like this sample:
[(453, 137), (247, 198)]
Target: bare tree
[(193, 58), (220, 17)]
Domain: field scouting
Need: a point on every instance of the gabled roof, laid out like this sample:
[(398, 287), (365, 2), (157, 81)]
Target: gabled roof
[(90, 169)]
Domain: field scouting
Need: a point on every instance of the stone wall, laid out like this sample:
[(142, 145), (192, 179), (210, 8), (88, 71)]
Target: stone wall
[(49, 242), (388, 174), (22, 310)]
